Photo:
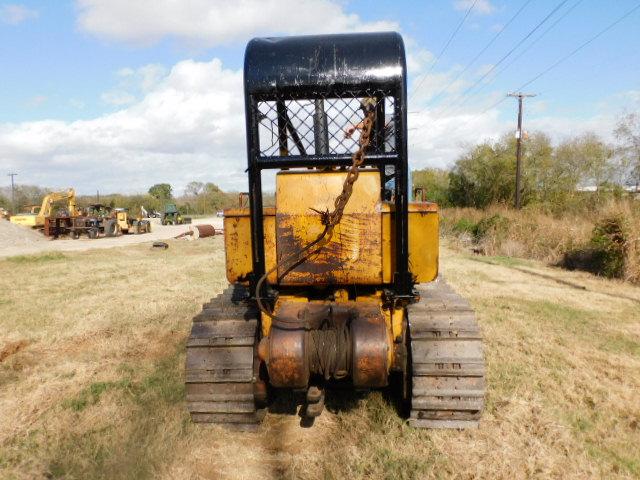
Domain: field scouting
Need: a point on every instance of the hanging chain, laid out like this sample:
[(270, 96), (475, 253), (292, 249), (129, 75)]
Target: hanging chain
[(333, 218), (329, 219)]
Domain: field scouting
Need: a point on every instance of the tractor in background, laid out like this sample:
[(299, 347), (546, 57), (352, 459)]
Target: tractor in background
[(172, 216)]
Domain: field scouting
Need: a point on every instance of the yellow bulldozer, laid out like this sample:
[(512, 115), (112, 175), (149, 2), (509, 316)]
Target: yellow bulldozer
[(337, 285), (36, 215)]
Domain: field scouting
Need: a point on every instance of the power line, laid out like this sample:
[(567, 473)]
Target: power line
[(486, 47), (567, 12), (536, 40), (573, 52), (564, 58), (505, 56), (453, 34)]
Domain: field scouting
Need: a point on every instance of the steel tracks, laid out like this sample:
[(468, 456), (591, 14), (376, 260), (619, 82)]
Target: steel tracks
[(447, 361), (220, 365)]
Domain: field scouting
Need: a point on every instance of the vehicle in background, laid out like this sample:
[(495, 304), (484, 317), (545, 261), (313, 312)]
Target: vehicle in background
[(172, 216), (101, 219), (36, 215)]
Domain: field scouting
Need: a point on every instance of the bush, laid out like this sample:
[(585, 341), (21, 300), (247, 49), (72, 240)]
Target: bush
[(495, 226), (464, 225), (606, 252), (603, 240)]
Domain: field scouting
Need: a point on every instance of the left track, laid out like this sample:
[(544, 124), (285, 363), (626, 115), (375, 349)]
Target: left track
[(221, 367)]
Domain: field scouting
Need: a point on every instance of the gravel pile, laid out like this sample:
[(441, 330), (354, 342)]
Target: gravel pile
[(16, 236)]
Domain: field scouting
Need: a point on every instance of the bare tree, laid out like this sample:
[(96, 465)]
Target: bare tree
[(628, 134)]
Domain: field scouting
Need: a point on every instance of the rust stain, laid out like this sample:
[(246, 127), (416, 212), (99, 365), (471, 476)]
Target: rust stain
[(286, 371), (353, 255), (12, 348)]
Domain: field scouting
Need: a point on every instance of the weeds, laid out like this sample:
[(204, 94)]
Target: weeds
[(98, 393), (40, 258), (604, 242), (607, 252)]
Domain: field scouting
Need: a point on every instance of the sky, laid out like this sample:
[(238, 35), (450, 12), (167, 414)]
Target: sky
[(116, 95)]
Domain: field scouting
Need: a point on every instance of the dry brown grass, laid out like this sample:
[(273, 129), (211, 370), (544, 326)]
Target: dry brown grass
[(533, 233), (95, 391)]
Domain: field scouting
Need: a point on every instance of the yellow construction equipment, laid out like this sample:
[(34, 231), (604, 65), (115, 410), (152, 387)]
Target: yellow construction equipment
[(338, 284), (35, 217)]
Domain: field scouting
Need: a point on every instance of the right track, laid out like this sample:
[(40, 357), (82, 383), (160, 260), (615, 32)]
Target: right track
[(447, 361)]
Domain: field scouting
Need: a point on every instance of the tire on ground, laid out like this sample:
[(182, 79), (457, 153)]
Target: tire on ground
[(110, 228)]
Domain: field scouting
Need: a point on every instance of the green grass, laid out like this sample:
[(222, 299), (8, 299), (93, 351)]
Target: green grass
[(501, 260), (102, 452), (39, 258), (163, 384), (620, 343)]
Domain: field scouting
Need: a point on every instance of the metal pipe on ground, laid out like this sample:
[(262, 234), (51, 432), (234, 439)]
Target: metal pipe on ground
[(199, 231)]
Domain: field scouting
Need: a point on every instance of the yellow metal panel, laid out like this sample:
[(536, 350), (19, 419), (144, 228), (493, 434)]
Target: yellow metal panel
[(361, 250), (353, 253), (423, 242), (237, 242), (26, 220)]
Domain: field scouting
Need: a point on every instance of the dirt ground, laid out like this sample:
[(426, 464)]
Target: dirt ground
[(18, 240), (91, 379)]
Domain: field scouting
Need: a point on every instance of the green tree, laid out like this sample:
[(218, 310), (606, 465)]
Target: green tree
[(546, 179), (435, 182), (585, 160), (161, 191), (484, 175), (214, 197)]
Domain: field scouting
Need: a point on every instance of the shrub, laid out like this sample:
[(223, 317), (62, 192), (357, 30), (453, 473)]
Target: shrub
[(606, 252), (464, 225), (495, 227)]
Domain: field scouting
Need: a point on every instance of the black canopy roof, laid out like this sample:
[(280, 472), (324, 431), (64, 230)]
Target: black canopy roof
[(325, 62)]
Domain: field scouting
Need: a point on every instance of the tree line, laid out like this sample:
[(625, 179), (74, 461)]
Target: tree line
[(198, 198), (551, 175)]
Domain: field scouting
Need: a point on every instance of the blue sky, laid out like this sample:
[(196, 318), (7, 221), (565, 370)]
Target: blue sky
[(72, 67)]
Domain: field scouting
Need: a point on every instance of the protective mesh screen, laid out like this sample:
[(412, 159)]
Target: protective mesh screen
[(325, 125)]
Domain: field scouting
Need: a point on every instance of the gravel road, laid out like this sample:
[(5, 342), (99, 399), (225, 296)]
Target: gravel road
[(17, 240)]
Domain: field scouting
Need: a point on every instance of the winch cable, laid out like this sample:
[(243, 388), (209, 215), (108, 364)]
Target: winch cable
[(328, 219)]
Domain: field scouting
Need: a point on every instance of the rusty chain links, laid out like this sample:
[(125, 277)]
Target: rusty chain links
[(333, 218), (329, 219)]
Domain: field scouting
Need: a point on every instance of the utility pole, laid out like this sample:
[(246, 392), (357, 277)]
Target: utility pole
[(519, 96), (13, 195)]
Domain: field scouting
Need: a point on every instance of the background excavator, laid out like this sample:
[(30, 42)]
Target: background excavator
[(338, 284), (36, 217)]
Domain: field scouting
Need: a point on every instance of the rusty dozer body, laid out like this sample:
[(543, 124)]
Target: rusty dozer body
[(337, 283)]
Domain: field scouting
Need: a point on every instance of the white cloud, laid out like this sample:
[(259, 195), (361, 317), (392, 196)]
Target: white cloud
[(14, 14), (483, 7), (189, 127), (418, 58), (117, 98), (437, 141), (215, 22), (132, 82), (143, 78)]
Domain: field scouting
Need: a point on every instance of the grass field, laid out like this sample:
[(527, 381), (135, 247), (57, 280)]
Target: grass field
[(91, 380)]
